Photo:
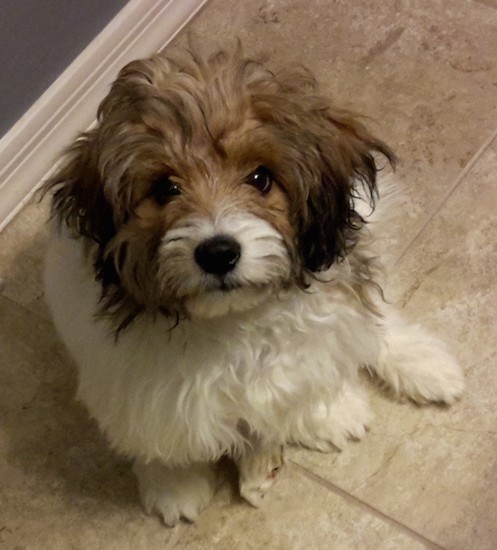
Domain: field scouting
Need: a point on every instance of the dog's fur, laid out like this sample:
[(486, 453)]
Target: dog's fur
[(181, 366)]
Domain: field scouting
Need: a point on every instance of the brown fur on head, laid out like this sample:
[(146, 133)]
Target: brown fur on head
[(200, 127)]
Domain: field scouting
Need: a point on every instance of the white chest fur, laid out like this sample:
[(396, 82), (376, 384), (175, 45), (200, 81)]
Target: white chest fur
[(179, 394)]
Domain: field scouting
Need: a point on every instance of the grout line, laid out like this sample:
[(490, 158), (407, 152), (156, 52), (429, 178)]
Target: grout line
[(374, 511), (26, 309), (476, 157)]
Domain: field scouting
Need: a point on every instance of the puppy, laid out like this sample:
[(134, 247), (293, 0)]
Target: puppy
[(215, 281)]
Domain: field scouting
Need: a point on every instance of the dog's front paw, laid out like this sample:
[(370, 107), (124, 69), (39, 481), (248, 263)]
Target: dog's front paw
[(416, 364), (175, 493), (438, 379), (328, 426)]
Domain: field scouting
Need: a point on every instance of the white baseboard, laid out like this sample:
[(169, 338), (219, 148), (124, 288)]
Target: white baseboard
[(29, 149)]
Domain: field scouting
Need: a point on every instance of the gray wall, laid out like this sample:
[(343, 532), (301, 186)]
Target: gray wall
[(38, 40)]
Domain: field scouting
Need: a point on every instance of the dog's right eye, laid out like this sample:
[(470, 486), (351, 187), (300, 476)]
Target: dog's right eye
[(261, 178), (163, 189)]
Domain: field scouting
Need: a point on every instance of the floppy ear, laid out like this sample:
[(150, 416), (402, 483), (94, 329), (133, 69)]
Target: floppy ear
[(79, 201), (345, 154), (78, 194)]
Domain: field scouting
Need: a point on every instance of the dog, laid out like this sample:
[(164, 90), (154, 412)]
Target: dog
[(213, 273)]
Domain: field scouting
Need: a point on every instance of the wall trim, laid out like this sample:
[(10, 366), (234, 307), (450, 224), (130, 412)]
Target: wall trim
[(29, 149)]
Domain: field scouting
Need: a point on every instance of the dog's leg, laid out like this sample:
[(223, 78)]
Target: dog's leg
[(175, 493), (416, 364), (258, 472), (328, 425)]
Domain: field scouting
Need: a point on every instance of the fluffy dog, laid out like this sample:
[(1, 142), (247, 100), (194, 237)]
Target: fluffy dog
[(215, 281)]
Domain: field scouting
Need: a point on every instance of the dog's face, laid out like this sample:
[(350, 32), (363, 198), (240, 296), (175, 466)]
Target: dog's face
[(209, 184)]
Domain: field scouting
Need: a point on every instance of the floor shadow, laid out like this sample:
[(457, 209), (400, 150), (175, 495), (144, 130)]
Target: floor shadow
[(50, 436)]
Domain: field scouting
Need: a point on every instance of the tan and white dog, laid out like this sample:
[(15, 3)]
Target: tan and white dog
[(214, 280)]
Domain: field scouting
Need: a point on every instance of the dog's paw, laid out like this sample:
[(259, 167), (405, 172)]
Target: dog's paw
[(175, 493), (416, 364), (330, 425), (258, 472)]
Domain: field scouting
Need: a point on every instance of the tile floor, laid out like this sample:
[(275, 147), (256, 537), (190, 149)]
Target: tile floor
[(426, 74)]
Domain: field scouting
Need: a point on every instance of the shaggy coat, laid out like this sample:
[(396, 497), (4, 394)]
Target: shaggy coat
[(215, 280)]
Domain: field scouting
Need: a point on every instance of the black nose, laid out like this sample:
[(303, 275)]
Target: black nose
[(218, 255)]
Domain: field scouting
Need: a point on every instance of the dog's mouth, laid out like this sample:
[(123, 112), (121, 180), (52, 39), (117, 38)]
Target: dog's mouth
[(224, 296), (225, 285), (220, 284)]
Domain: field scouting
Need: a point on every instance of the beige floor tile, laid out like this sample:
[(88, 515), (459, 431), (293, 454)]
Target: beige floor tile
[(60, 486), (435, 469), (297, 514), (424, 72), (451, 268), (22, 248)]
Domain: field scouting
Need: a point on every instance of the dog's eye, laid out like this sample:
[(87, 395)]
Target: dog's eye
[(261, 178), (163, 189)]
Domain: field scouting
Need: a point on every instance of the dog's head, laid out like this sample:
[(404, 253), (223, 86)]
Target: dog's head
[(209, 183)]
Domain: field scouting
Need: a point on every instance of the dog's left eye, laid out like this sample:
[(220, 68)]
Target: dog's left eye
[(163, 189), (261, 178)]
